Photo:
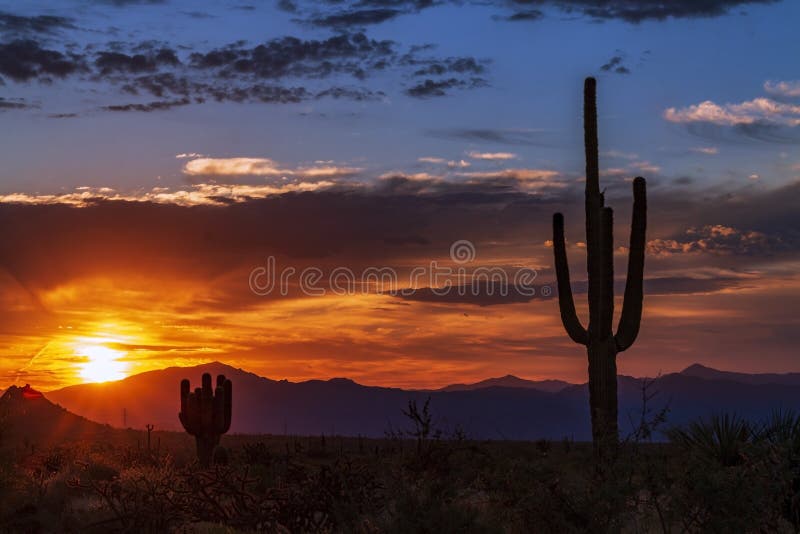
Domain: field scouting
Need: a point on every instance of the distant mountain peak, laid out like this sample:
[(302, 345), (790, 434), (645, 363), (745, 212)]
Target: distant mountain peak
[(698, 367), (511, 381)]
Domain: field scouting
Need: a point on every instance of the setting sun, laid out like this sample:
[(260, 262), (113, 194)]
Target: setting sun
[(103, 363)]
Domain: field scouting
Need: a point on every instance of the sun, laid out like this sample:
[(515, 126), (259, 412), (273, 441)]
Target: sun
[(103, 365)]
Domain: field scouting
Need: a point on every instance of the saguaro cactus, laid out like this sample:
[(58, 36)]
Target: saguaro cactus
[(206, 414), (602, 344)]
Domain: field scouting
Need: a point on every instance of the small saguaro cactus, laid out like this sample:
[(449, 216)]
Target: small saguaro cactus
[(602, 344), (206, 414)]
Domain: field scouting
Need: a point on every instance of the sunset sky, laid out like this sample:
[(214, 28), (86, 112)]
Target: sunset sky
[(155, 152)]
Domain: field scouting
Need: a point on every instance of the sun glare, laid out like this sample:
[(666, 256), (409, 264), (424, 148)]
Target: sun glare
[(103, 363)]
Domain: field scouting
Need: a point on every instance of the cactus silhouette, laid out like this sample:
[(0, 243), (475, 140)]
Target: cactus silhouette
[(206, 414), (602, 344)]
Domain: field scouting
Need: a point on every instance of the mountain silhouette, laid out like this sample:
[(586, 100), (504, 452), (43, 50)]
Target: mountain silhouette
[(510, 381), (701, 371), (342, 406), (29, 415)]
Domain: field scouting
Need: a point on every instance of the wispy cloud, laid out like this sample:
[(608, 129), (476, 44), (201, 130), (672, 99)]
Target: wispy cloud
[(453, 164), (242, 166), (492, 156), (708, 150), (197, 195)]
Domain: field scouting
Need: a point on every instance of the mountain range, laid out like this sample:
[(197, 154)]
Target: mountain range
[(499, 408)]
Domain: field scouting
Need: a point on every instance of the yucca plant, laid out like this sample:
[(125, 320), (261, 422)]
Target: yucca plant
[(720, 439), (781, 428)]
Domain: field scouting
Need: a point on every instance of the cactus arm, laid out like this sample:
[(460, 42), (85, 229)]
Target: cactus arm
[(228, 385), (566, 303), (631, 316)]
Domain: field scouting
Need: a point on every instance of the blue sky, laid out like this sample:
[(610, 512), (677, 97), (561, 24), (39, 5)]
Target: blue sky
[(532, 82)]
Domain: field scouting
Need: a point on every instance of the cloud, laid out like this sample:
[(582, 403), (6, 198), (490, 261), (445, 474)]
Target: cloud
[(636, 11), (762, 118), (492, 156), (23, 26), (615, 65), (14, 103), (23, 60), (758, 110), (482, 293), (785, 89), (433, 88), (355, 94), (707, 150), (717, 240), (234, 72), (159, 105), (290, 56), (125, 3), (357, 13), (110, 62), (202, 194), (439, 67), (358, 17), (205, 166), (453, 164), (528, 180), (527, 15)]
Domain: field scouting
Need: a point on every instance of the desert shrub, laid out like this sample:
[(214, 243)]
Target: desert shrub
[(722, 439)]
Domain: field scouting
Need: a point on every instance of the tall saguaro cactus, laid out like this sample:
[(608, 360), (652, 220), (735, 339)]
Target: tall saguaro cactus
[(206, 414), (601, 343)]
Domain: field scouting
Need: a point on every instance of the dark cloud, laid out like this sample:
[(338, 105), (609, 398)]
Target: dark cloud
[(112, 62), (150, 106), (235, 72), (344, 14), (762, 131), (460, 65), (24, 59), (432, 88), (636, 11), (479, 294), (615, 65), (394, 224), (353, 14), (290, 56), (283, 5), (125, 3), (527, 15), (348, 93), (22, 26), (14, 103), (356, 18)]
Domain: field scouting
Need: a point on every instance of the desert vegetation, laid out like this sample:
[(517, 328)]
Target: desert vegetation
[(720, 474)]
